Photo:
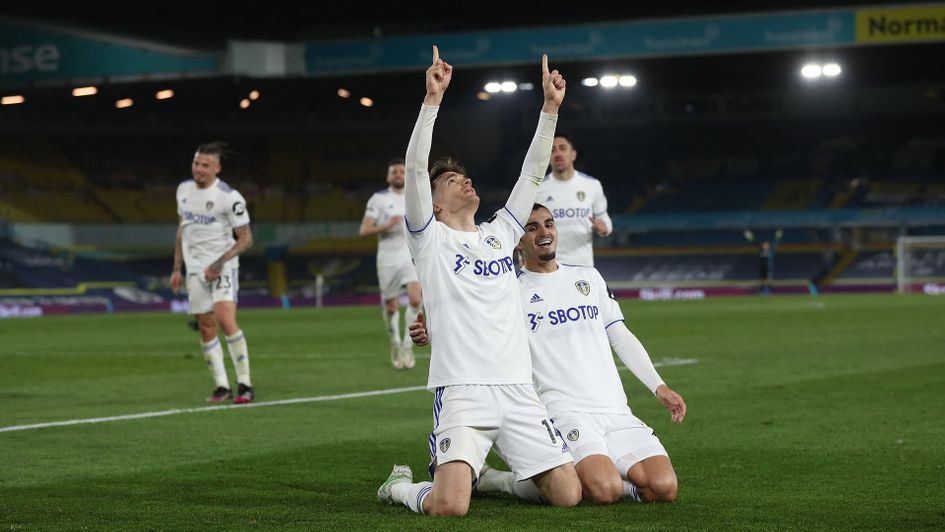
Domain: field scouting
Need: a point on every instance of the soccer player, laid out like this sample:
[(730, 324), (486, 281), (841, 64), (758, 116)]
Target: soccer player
[(577, 202), (395, 271), (211, 213), (480, 369), (574, 322)]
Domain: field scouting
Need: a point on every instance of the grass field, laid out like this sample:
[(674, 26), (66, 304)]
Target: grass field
[(804, 413)]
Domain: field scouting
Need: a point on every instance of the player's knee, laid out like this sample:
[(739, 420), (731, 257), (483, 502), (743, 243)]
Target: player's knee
[(450, 508), (566, 494), (391, 305), (604, 490), (664, 488)]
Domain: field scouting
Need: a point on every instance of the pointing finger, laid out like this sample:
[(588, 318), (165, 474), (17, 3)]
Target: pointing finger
[(544, 63), (436, 54)]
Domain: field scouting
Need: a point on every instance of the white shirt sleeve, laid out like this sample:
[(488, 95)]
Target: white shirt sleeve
[(520, 202), (237, 213), (372, 211), (418, 197)]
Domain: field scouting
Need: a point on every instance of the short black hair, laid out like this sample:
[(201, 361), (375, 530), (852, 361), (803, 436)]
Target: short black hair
[(564, 135), (537, 206), (444, 166), (217, 147), (392, 162)]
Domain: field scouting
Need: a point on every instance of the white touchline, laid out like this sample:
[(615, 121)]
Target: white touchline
[(299, 400), (175, 411)]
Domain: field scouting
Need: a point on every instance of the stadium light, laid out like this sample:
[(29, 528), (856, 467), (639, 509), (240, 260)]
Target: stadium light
[(483, 95), (509, 86), (526, 86), (254, 95), (627, 80), (244, 103), (165, 94), (344, 93), (12, 100), (493, 87), (124, 103), (811, 71), (367, 102), (84, 91), (609, 81), (589, 82), (831, 70)]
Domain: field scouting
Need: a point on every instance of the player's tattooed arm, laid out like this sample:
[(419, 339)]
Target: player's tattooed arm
[(244, 241), (178, 261)]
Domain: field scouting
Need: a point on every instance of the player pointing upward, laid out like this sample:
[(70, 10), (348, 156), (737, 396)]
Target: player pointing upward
[(480, 370)]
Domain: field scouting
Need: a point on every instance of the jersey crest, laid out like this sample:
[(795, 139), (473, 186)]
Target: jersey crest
[(581, 195), (583, 287), (494, 242), (209, 206)]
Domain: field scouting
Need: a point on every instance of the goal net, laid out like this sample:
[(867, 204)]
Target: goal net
[(920, 264)]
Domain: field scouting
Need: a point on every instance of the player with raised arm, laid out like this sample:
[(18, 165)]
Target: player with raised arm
[(211, 213), (574, 322), (395, 272), (577, 202), (480, 368)]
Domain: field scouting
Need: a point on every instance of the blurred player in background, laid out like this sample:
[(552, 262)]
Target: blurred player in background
[(211, 213), (766, 252), (574, 322), (395, 272), (577, 202), (480, 368)]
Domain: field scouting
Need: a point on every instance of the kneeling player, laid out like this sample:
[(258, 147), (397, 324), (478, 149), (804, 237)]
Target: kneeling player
[(574, 322)]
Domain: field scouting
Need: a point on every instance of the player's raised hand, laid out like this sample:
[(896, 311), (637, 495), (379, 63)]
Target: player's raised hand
[(418, 331), (438, 79), (673, 402), (553, 85)]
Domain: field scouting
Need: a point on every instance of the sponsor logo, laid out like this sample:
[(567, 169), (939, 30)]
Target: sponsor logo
[(494, 242), (238, 208), (534, 320), (20, 311), (574, 435), (571, 213), (198, 218), (563, 315), (934, 289), (445, 445), (535, 299), (581, 195), (583, 287), (461, 263)]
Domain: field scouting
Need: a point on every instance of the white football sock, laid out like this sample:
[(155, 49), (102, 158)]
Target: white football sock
[(630, 490), (392, 322), (504, 481), (213, 354), (411, 495), (240, 356)]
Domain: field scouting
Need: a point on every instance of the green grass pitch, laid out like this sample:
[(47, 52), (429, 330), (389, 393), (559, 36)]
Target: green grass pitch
[(804, 413)]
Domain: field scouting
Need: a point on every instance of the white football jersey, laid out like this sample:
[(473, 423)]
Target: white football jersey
[(572, 203), (391, 244), (473, 317), (207, 218), (567, 313)]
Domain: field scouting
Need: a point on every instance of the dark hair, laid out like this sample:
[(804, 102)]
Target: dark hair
[(564, 135), (392, 162), (444, 166), (217, 147), (537, 206)]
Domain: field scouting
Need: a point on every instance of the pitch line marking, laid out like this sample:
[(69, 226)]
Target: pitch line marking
[(299, 400)]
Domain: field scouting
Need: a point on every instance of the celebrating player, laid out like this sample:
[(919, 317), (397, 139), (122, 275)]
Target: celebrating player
[(211, 212), (577, 202), (395, 271), (569, 311), (480, 369)]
